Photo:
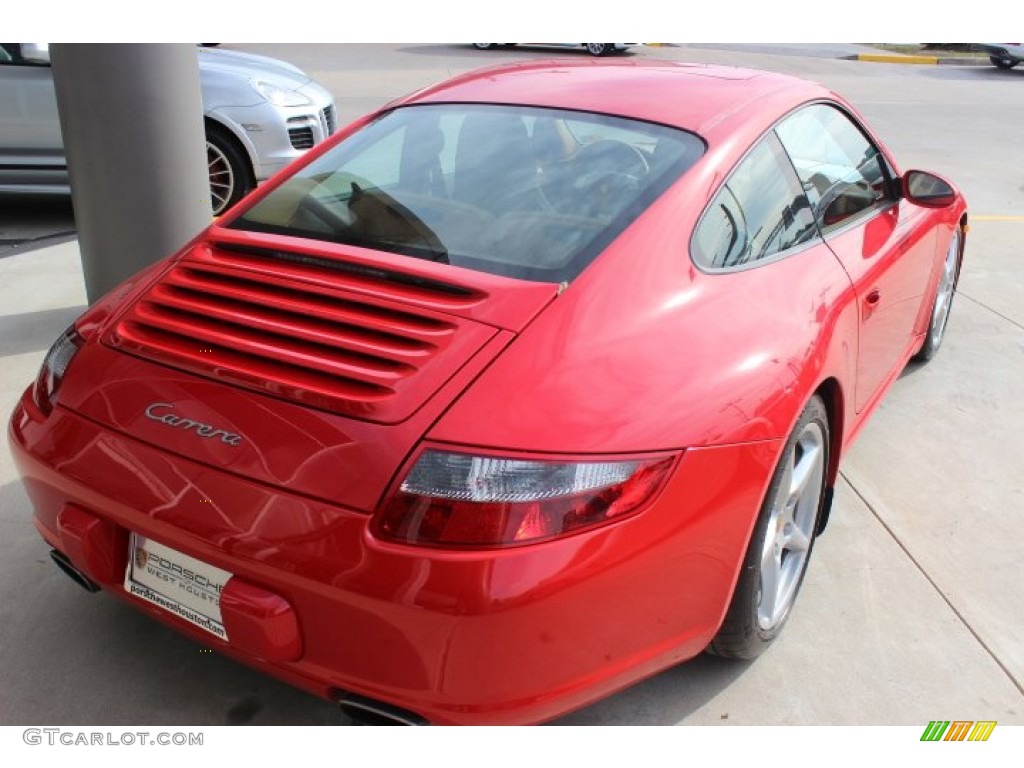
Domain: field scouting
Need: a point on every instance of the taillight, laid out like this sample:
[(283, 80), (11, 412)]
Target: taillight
[(55, 365), (457, 499)]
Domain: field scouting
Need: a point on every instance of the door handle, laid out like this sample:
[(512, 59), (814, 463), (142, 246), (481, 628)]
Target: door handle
[(871, 302)]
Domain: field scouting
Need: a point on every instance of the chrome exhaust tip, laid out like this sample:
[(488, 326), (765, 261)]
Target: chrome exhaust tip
[(62, 562), (364, 711)]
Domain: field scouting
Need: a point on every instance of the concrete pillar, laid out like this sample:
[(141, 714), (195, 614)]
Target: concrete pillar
[(131, 119)]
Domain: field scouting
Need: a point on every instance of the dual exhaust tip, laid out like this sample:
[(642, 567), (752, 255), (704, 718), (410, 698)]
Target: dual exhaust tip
[(72, 572), (364, 711)]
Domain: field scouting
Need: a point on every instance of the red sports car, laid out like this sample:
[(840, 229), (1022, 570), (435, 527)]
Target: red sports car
[(517, 391)]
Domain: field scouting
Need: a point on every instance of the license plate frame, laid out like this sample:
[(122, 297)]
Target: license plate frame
[(177, 583)]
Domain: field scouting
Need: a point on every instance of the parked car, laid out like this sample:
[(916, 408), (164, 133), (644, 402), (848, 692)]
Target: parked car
[(259, 114), (531, 385), (594, 49), (1003, 55)]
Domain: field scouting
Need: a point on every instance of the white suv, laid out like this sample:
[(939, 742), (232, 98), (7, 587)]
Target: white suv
[(260, 113)]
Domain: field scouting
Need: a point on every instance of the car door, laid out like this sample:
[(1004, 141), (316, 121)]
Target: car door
[(872, 232), (31, 148)]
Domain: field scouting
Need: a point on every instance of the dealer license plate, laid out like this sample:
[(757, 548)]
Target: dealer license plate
[(186, 587)]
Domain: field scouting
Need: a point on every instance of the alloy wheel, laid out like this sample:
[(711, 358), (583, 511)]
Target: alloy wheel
[(790, 531), (222, 178), (944, 292)]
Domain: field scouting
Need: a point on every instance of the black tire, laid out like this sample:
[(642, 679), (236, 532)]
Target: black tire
[(1004, 63), (231, 176), (942, 301), (484, 46), (753, 622), (599, 49)]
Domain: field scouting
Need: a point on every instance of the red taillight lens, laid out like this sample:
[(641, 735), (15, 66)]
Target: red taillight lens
[(454, 499), (55, 365)]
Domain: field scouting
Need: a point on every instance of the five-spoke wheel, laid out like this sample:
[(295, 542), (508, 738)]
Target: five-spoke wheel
[(943, 300), (793, 515), (780, 547)]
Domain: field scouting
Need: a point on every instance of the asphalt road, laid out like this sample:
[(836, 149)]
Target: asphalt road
[(28, 222), (913, 607)]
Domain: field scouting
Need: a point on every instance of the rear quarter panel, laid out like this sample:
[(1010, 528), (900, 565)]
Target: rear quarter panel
[(645, 352)]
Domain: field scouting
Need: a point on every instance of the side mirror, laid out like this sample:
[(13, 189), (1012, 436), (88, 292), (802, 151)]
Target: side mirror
[(927, 189), (848, 200), (35, 53)]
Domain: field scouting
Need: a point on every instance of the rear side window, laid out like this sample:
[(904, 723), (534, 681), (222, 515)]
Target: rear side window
[(758, 213), (843, 173), (524, 192)]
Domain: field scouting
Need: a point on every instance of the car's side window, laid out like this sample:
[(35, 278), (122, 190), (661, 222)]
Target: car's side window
[(841, 171), (24, 55), (758, 213)]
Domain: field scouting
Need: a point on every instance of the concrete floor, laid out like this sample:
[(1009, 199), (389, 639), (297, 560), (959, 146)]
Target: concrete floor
[(913, 607)]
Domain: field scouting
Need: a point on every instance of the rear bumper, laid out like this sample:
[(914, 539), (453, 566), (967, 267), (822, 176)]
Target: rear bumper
[(517, 636)]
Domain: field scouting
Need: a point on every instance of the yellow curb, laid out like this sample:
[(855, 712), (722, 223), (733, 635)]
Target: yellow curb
[(884, 58), (997, 218)]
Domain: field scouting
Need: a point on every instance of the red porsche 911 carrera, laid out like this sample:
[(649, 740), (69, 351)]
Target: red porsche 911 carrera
[(515, 392)]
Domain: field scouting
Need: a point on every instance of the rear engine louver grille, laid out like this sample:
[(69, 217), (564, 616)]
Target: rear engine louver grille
[(348, 274), (310, 342)]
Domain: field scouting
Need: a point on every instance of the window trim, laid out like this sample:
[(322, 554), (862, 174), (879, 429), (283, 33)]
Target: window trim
[(888, 169), (778, 255)]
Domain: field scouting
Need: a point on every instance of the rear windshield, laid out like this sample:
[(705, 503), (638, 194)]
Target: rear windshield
[(529, 193)]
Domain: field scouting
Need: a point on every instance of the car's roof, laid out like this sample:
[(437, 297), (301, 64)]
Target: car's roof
[(696, 97)]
